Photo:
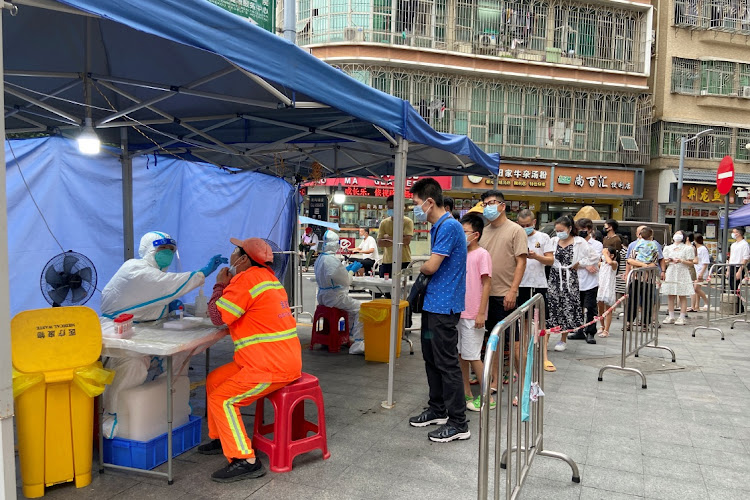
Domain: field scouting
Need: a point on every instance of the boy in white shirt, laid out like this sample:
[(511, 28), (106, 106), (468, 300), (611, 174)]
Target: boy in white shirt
[(541, 254)]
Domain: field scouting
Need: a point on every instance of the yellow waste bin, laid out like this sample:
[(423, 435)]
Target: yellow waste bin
[(56, 375), (376, 320)]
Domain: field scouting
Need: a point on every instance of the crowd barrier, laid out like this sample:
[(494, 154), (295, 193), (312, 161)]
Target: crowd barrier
[(524, 424), (640, 325), (728, 291)]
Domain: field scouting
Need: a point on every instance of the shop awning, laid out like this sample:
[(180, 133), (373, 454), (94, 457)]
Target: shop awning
[(699, 176)]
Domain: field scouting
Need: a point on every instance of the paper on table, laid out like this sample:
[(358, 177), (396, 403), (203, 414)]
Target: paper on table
[(154, 340)]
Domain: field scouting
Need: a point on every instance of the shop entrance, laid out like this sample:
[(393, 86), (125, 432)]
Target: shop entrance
[(551, 211)]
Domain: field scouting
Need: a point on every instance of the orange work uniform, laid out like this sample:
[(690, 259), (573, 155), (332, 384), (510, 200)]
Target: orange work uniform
[(267, 355)]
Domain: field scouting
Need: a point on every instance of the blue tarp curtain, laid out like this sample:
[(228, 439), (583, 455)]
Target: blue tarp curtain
[(740, 217), (81, 198)]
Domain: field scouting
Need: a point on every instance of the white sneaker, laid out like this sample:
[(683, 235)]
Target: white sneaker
[(704, 308), (560, 346), (668, 321), (680, 321)]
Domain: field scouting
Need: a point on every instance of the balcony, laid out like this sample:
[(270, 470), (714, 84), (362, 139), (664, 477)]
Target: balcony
[(566, 33)]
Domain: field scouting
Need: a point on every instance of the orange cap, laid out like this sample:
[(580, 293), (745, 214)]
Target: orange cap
[(256, 249)]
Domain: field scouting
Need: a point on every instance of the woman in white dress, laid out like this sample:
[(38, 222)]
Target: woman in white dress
[(678, 283), (606, 295)]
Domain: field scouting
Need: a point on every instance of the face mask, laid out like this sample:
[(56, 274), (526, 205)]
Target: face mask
[(490, 212), (164, 258), (389, 212), (563, 235), (469, 239), (528, 230), (419, 214), (677, 238), (583, 233), (233, 270)]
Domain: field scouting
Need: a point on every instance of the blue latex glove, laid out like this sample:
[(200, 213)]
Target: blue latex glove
[(213, 264), (175, 305), (354, 267)]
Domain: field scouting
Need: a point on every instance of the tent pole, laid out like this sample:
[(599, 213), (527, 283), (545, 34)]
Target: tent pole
[(126, 160), (290, 20), (7, 456), (399, 185)]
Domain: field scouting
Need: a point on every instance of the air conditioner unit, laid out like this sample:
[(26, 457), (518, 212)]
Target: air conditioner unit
[(746, 92), (486, 41), (354, 34)]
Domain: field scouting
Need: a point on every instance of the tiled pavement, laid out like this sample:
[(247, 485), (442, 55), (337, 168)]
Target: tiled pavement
[(685, 437)]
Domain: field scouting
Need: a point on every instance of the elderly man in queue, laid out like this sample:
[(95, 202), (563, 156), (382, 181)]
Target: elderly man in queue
[(249, 299)]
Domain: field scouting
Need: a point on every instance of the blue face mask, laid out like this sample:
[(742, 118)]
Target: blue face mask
[(389, 212), (490, 212), (419, 214), (469, 239), (528, 230), (164, 258), (563, 235)]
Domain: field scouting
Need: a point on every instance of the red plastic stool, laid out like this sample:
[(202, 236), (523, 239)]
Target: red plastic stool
[(325, 329), (290, 428)]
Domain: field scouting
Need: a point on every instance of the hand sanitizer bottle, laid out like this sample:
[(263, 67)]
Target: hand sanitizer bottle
[(201, 304)]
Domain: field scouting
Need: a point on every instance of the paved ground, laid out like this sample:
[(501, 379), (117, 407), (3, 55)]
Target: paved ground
[(685, 437)]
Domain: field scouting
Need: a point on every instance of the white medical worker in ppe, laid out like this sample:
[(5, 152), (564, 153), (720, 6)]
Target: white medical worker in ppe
[(143, 288), (333, 288)]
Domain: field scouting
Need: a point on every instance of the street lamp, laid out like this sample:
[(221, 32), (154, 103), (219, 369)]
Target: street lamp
[(683, 142)]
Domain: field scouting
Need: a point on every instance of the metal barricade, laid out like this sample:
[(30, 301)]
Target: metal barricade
[(728, 293), (640, 325), (524, 439)]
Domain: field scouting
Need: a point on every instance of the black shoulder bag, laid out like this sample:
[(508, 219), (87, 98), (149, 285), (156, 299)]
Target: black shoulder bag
[(419, 288)]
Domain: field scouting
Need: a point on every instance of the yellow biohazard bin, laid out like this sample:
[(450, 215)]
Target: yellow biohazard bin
[(376, 320), (56, 375)]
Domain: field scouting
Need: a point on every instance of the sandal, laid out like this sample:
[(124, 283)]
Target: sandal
[(549, 367), (604, 333), (691, 310), (515, 400)]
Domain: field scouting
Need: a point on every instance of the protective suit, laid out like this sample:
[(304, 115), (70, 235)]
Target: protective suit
[(333, 289), (143, 288)]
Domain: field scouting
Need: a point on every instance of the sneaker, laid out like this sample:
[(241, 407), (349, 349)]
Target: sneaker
[(476, 404), (560, 346), (211, 448), (238, 470), (668, 320), (680, 322), (577, 336), (447, 433), (427, 417)]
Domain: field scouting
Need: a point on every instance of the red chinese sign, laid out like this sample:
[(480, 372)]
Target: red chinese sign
[(362, 186)]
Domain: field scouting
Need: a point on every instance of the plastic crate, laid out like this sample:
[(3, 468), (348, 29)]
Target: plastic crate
[(149, 454)]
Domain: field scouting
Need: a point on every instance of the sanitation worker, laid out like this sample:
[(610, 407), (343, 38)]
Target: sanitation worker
[(250, 300)]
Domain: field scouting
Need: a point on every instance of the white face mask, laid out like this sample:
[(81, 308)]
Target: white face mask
[(677, 238)]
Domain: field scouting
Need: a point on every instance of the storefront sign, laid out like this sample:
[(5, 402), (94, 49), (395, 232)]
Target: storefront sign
[(260, 12), (381, 188), (589, 181), (701, 193), (318, 210), (513, 178)]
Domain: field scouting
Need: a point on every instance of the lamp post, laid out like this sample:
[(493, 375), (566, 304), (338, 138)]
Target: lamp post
[(683, 142)]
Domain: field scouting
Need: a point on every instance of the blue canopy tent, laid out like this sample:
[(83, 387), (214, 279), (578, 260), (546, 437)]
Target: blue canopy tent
[(188, 79), (740, 217)]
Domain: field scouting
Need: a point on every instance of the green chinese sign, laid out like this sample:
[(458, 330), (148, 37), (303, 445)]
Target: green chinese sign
[(260, 12)]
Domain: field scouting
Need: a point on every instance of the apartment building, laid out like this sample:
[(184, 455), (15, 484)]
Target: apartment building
[(700, 81), (559, 89)]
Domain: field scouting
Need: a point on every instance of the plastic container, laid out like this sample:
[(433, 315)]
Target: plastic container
[(376, 319), (149, 454), (124, 326), (142, 410), (54, 416), (201, 305)]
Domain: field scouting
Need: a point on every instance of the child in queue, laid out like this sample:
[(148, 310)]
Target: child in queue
[(471, 324), (605, 297)]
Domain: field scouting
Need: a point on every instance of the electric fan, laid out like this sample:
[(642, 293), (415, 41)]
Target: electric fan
[(68, 279), (279, 259)]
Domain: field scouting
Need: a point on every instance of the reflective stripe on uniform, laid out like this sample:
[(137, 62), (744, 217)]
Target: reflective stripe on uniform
[(230, 307), (261, 338), (264, 286), (234, 423)]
